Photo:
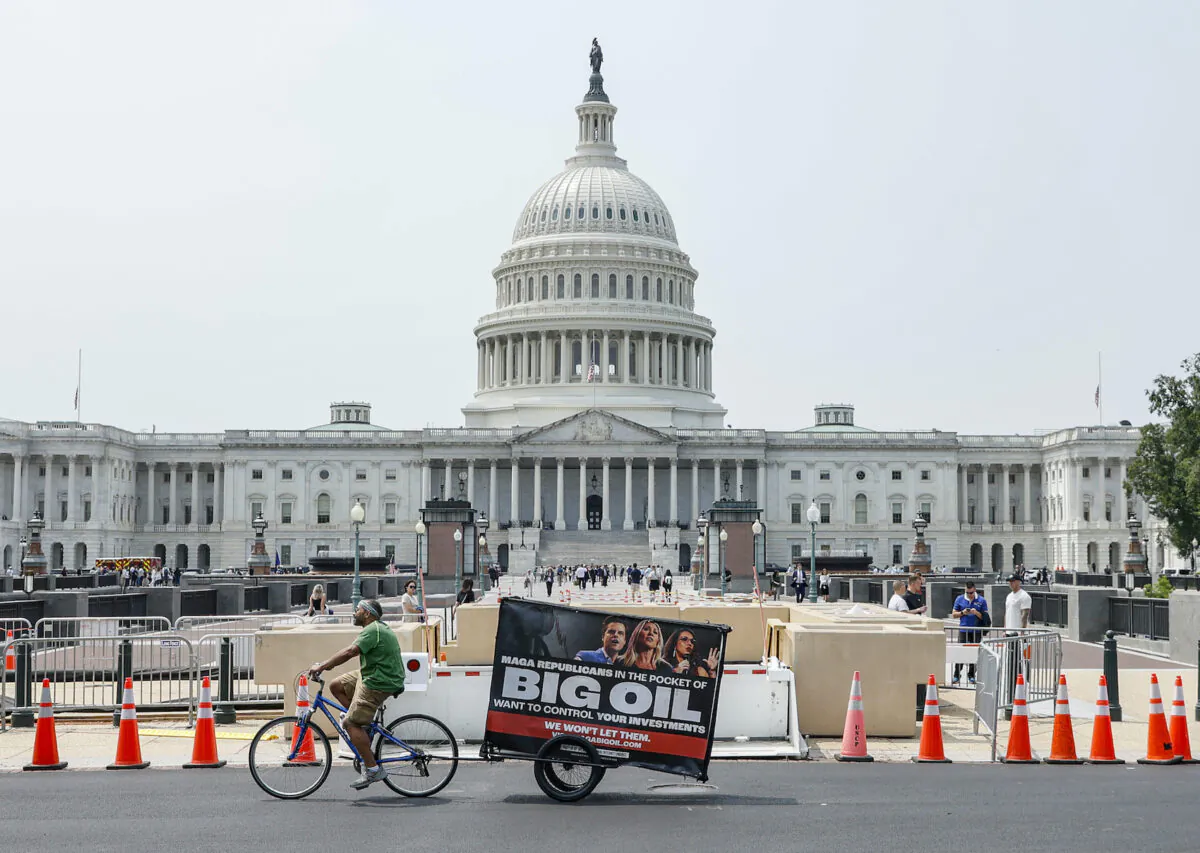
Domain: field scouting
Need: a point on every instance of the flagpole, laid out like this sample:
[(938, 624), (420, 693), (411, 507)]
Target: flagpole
[(79, 386), (1100, 385)]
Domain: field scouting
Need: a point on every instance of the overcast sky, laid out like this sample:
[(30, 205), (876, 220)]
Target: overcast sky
[(939, 212)]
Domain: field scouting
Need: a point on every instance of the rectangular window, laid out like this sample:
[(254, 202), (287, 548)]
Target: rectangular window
[(322, 515), (389, 551), (389, 512), (797, 474), (897, 475), (1087, 512), (825, 511), (897, 556), (212, 478), (360, 473), (166, 515), (42, 508), (1087, 473), (322, 549), (1012, 479), (970, 479), (797, 553), (208, 514), (824, 475), (971, 514), (897, 513), (991, 479), (187, 513), (1108, 510), (187, 478), (925, 475), (256, 509), (1107, 473), (1012, 514), (285, 512), (87, 510), (992, 514), (87, 471), (167, 477), (926, 510), (860, 512), (798, 511), (285, 474), (256, 474), (66, 471), (389, 474), (285, 554), (42, 471), (63, 508)]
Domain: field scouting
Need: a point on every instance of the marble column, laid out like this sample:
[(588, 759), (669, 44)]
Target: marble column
[(560, 521), (71, 465), (471, 482), (537, 492), (1122, 502), (514, 493), (449, 481), (679, 361), (982, 514), (563, 357), (493, 497), (624, 359), (18, 489), (426, 481), (1005, 495), (605, 520), (716, 480), (650, 515), (695, 491), (49, 513), (645, 358), (760, 481), (544, 370), (628, 524), (604, 376), (196, 522), (172, 494), (674, 508), (218, 493), (151, 509), (963, 494), (738, 476), (1025, 495), (582, 523)]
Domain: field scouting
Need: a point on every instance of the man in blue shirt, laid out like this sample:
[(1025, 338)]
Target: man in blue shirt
[(968, 609), (612, 643)]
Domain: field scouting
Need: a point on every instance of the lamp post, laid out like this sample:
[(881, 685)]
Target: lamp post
[(702, 526), (814, 515), (420, 530), (1194, 546), (357, 514), (722, 539), (457, 559), (23, 543)]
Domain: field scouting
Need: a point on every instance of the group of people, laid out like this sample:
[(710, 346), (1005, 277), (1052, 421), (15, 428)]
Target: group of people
[(656, 578), (643, 648), (138, 576)]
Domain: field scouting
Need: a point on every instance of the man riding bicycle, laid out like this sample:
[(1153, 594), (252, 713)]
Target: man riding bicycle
[(380, 676)]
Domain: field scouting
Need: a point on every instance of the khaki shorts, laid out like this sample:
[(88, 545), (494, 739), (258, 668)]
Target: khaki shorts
[(364, 702)]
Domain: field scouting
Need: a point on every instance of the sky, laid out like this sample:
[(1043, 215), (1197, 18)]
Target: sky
[(940, 212)]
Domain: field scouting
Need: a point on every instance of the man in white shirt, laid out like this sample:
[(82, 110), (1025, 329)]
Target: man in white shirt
[(898, 603), (1017, 606)]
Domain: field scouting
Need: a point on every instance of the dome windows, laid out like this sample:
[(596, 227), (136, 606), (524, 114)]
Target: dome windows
[(578, 291), (561, 288), (580, 211), (544, 212), (656, 217), (646, 216), (645, 288), (554, 214), (567, 212), (635, 215), (545, 287), (658, 291), (612, 286), (608, 214), (595, 285), (595, 211), (629, 281), (671, 291), (622, 214)]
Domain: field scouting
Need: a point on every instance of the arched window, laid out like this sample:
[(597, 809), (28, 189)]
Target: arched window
[(860, 509), (595, 285), (622, 214), (554, 214), (567, 212), (323, 506), (608, 212), (671, 291), (580, 212), (543, 214), (561, 291), (595, 211), (635, 215), (545, 287), (578, 286), (658, 291), (629, 287), (645, 288)]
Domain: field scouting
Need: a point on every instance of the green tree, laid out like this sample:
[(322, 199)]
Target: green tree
[(1166, 470)]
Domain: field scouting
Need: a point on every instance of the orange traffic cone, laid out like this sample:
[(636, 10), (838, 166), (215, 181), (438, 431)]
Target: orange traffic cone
[(1019, 749), (1102, 738), (1159, 749), (204, 745), (305, 752), (10, 657), (129, 747), (45, 740), (1062, 742), (1180, 741), (854, 735), (932, 751)]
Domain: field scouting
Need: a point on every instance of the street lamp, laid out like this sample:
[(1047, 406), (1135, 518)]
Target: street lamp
[(1194, 546), (23, 543), (420, 530), (814, 515), (724, 537), (457, 559), (702, 526), (757, 529), (357, 515)]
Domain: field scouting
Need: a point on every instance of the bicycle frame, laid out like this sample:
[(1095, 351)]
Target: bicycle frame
[(320, 703)]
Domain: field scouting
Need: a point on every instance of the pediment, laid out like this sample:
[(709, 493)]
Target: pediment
[(593, 426)]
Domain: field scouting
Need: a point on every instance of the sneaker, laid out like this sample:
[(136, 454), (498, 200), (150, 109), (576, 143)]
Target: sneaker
[(971, 681), (369, 777), (955, 682)]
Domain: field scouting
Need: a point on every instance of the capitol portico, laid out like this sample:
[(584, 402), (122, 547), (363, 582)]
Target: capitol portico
[(594, 432)]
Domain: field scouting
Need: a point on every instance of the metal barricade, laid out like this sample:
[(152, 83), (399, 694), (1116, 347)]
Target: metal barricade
[(1036, 654), (236, 624), (19, 627), (100, 626), (88, 672), (962, 645), (228, 660)]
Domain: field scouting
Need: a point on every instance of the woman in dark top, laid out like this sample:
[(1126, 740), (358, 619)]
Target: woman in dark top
[(316, 604), (466, 595), (683, 659)]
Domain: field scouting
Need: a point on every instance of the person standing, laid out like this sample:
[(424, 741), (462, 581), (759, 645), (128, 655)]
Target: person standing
[(668, 583), (914, 597), (1018, 607), (969, 610), (549, 579), (897, 602), (823, 589)]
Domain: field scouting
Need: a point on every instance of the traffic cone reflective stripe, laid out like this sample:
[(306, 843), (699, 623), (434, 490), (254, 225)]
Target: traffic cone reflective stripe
[(10, 656), (129, 747), (45, 739), (305, 751), (1181, 742), (204, 745), (854, 735), (1062, 742), (932, 751), (1102, 739), (1019, 749), (1159, 749)]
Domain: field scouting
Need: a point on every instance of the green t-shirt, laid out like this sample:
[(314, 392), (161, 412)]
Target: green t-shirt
[(379, 658)]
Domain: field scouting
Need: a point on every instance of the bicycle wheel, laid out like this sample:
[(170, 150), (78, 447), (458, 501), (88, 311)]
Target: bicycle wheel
[(430, 762), (282, 774), (560, 774)]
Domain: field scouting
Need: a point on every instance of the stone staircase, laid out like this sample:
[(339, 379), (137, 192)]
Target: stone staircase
[(572, 547)]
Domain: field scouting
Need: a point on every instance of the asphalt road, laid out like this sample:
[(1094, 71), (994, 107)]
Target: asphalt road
[(775, 806)]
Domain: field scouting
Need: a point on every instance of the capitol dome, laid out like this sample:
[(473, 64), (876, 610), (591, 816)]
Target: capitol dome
[(603, 199), (595, 302)]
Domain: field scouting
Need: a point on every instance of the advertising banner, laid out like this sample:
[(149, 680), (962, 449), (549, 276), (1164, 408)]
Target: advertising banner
[(642, 690)]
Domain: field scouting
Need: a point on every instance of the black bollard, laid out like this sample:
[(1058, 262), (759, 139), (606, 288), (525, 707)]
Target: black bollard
[(22, 715), (1197, 709), (223, 710), (1111, 676), (124, 670)]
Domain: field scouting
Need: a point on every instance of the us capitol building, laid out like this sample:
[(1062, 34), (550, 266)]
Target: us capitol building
[(594, 434)]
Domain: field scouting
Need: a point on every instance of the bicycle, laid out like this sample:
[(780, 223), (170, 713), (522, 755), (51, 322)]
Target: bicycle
[(415, 748)]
